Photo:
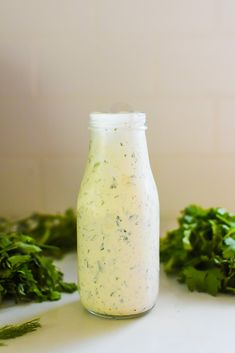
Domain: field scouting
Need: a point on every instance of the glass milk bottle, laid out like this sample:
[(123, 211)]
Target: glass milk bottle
[(118, 220)]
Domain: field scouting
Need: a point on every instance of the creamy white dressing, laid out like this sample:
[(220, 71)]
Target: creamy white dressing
[(118, 224)]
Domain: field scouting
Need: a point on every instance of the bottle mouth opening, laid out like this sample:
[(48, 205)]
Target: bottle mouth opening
[(124, 120)]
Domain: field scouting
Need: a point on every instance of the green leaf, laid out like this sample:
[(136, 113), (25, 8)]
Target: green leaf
[(18, 260), (213, 281), (186, 240), (229, 249), (208, 281), (194, 279)]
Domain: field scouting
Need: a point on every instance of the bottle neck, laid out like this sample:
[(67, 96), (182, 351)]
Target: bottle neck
[(123, 149)]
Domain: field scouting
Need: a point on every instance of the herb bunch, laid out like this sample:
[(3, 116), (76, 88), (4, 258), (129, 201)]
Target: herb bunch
[(26, 274), (58, 231), (201, 251)]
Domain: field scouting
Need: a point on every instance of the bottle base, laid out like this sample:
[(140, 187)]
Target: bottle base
[(119, 317)]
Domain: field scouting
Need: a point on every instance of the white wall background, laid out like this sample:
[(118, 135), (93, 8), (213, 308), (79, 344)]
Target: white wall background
[(61, 59)]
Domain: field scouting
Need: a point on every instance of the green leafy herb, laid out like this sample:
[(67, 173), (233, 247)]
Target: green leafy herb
[(201, 251), (57, 231), (16, 330), (26, 274)]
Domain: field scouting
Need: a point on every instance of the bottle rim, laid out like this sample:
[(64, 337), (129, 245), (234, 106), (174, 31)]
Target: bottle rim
[(126, 120)]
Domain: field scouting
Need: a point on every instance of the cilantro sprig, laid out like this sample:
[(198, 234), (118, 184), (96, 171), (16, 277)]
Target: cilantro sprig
[(201, 251)]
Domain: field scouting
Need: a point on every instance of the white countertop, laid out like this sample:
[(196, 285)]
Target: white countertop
[(181, 322)]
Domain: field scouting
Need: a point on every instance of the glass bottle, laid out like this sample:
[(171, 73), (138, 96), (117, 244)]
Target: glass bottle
[(118, 219)]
